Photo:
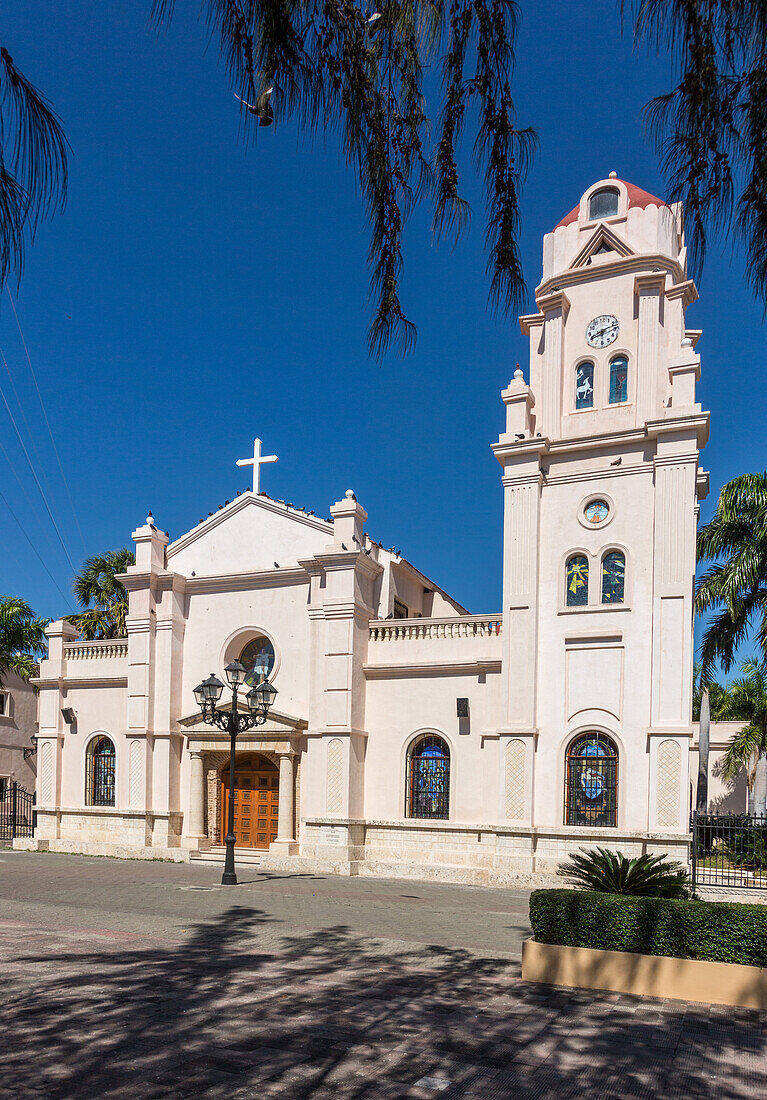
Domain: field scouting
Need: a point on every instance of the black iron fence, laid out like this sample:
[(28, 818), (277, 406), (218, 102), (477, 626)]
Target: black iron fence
[(729, 850), (17, 811)]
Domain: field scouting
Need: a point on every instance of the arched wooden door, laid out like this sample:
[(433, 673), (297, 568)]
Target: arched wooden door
[(256, 802)]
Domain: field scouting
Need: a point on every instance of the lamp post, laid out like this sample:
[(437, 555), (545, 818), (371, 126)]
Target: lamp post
[(259, 700)]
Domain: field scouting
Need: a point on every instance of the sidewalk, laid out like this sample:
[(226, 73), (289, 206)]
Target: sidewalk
[(125, 979)]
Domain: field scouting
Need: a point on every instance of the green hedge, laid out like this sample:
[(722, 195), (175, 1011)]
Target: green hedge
[(714, 930)]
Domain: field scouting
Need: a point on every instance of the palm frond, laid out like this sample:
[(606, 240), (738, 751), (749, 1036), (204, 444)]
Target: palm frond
[(22, 637), (33, 163), (609, 872), (334, 70)]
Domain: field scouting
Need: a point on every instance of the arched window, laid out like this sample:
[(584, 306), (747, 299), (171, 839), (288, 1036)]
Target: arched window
[(577, 580), (258, 659), (619, 379), (584, 386), (603, 204), (613, 577), (591, 781), (100, 772), (428, 778)]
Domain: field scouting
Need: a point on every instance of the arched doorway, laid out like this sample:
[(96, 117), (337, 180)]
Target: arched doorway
[(256, 800)]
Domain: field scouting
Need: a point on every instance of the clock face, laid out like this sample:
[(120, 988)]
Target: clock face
[(602, 331)]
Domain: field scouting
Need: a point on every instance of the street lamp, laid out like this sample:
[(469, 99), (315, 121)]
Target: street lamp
[(259, 700)]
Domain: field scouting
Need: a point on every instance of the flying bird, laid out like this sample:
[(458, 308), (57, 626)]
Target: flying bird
[(262, 108)]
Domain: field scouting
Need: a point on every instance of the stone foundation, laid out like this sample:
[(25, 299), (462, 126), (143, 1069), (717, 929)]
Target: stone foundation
[(480, 855), (107, 827)]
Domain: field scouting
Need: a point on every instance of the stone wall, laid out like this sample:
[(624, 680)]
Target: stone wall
[(476, 854)]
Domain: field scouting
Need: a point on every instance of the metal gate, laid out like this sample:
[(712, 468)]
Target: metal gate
[(729, 850), (17, 811)]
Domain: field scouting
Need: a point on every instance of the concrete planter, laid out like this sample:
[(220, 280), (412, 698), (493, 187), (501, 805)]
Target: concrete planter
[(645, 975)]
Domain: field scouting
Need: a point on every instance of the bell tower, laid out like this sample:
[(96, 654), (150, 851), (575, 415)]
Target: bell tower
[(601, 479)]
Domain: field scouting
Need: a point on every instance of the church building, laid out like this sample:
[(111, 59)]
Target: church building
[(409, 737)]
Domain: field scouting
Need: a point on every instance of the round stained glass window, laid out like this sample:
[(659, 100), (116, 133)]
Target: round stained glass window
[(258, 658), (596, 511)]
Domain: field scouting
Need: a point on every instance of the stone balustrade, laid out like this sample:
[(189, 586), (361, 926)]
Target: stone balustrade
[(92, 651), (465, 626)]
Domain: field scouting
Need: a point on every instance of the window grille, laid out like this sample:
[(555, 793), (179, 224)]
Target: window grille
[(603, 204), (428, 778), (591, 781), (100, 773), (400, 610)]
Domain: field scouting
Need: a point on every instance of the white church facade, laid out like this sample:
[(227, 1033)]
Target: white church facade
[(408, 736)]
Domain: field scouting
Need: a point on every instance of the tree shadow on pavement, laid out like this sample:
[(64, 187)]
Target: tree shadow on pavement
[(331, 1014)]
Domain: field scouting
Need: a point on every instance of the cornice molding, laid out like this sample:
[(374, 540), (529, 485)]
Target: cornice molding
[(237, 582), (624, 265), (432, 668), (552, 300), (82, 681), (688, 292), (530, 321)]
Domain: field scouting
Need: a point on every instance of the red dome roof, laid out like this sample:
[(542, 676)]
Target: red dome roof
[(637, 197)]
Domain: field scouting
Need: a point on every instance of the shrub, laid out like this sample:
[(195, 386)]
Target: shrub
[(612, 873), (683, 929)]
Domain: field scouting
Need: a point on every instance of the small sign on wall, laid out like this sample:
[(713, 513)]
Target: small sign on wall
[(332, 834)]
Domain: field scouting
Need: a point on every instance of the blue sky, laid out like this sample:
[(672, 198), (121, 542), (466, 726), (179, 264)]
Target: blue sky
[(198, 292)]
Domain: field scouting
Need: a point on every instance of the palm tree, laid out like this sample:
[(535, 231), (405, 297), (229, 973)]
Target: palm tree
[(357, 67), (22, 637), (710, 129), (33, 163), (747, 699), (735, 586), (103, 597)]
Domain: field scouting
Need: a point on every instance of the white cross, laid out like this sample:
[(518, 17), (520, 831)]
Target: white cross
[(255, 462)]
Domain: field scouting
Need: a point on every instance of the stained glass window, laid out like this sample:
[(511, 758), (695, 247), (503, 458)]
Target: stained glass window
[(596, 511), (613, 577), (100, 772), (584, 386), (577, 591), (258, 658), (619, 380), (604, 203), (591, 791), (428, 778)]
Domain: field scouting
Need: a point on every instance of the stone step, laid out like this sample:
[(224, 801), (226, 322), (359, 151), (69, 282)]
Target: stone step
[(250, 857)]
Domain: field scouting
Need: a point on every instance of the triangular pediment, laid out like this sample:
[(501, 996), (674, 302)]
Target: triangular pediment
[(604, 242), (276, 723), (250, 533)]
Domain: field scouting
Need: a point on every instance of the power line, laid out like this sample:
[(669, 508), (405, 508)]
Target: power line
[(45, 417), (37, 480), (30, 434), (24, 489), (29, 540)]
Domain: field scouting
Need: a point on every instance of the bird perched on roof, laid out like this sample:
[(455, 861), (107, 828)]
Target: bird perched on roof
[(617, 462), (520, 435), (262, 108)]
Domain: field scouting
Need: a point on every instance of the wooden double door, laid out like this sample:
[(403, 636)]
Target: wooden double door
[(256, 802)]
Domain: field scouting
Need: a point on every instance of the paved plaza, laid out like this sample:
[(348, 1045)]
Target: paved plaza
[(135, 979)]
